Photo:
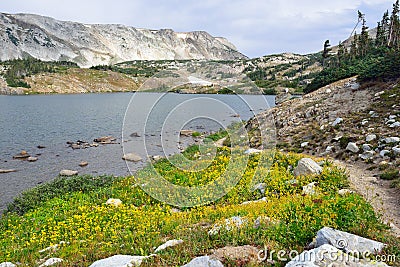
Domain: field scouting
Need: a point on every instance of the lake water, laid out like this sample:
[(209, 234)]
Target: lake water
[(51, 120)]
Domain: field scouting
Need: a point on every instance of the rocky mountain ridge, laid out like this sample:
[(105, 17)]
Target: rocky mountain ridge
[(45, 38)]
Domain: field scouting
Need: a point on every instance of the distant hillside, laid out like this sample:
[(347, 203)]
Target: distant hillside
[(25, 35)]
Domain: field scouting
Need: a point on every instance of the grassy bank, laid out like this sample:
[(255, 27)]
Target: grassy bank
[(87, 229)]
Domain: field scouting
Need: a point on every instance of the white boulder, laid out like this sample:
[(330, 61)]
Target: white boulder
[(51, 262), (307, 166), (371, 137), (68, 173), (170, 243), (120, 261), (132, 157), (204, 261)]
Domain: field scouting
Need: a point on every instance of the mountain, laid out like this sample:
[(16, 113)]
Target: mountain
[(26, 35)]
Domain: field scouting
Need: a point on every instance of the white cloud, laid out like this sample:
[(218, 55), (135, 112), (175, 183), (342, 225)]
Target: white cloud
[(256, 27)]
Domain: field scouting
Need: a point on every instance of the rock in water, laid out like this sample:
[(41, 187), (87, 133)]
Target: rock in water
[(327, 255), (187, 133), (32, 159), (120, 261), (132, 157), (83, 164), (204, 261), (7, 171), (347, 242), (105, 140), (307, 166), (68, 173), (22, 155)]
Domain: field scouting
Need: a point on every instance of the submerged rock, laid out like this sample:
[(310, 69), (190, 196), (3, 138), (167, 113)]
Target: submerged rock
[(23, 155), (7, 170), (32, 159), (83, 164), (105, 140), (307, 166), (132, 157)]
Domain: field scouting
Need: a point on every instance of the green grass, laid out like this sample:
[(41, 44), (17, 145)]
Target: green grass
[(75, 212)]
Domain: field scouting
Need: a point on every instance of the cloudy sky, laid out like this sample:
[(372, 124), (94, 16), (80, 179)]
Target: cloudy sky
[(256, 27)]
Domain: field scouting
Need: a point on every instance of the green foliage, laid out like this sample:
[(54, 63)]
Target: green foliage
[(33, 198), (18, 69), (391, 174), (136, 68)]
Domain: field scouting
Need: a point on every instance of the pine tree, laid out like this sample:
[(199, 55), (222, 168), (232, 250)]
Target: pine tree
[(342, 53), (325, 54), (394, 29), (363, 42)]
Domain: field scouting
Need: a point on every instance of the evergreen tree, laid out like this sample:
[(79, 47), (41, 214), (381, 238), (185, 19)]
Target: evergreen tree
[(325, 54), (394, 29)]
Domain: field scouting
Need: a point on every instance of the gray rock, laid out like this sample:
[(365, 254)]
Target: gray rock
[(396, 150), (367, 147), (68, 173), (352, 147), (355, 86), (231, 223), (337, 122), (371, 137), (253, 151), (204, 261), (168, 244), (132, 157), (327, 255), (7, 264), (391, 140), (384, 152), (307, 166), (392, 117), (187, 133), (344, 192), (367, 155), (310, 189), (304, 144), (105, 140), (51, 262), (347, 242), (120, 261), (261, 187), (329, 149), (395, 125), (23, 155), (390, 121)]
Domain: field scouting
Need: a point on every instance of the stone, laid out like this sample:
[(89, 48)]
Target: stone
[(329, 149), (23, 155), (132, 157), (383, 153), (310, 189), (204, 261), (390, 121), (105, 140), (261, 187), (355, 86), (114, 202), (337, 122), (7, 170), (305, 144), (395, 125), (32, 159), (170, 243), (379, 93), (120, 261), (347, 242), (396, 150), (364, 122), (328, 91), (51, 262), (41, 147), (234, 222), (252, 151), (352, 147), (327, 255), (187, 133), (68, 173), (391, 140), (134, 135), (344, 192), (366, 147), (307, 166), (392, 117), (157, 158), (243, 253), (367, 155), (7, 264), (83, 164), (370, 137)]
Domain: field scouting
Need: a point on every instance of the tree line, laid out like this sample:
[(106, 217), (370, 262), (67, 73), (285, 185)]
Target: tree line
[(365, 56)]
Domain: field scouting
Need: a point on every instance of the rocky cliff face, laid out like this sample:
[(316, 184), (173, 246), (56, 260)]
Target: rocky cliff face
[(24, 35)]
